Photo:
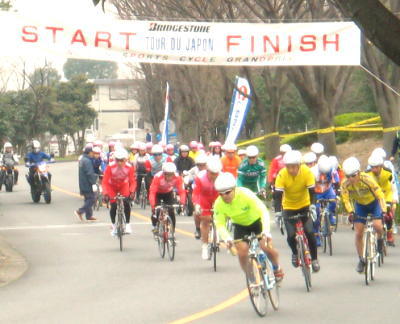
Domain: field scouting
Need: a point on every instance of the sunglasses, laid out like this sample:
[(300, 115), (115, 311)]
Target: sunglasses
[(225, 193), (157, 154)]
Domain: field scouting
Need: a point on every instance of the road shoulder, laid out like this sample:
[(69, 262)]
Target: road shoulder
[(12, 264)]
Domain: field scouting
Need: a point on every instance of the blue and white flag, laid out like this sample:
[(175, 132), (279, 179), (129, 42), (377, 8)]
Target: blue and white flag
[(239, 108), (164, 135)]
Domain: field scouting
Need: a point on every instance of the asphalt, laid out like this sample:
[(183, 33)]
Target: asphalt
[(74, 272)]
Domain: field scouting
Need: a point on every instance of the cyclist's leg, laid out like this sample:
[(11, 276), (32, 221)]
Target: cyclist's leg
[(113, 211), (127, 211), (154, 216), (317, 223), (290, 229), (308, 230), (361, 212), (138, 186), (205, 220), (242, 247), (169, 199)]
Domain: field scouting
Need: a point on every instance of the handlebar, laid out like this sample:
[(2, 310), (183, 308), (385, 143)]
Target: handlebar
[(248, 238), (167, 206)]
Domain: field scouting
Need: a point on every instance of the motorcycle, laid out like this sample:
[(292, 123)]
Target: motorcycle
[(41, 183), (7, 177)]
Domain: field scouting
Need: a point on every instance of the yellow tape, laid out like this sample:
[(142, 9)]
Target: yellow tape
[(391, 129), (326, 130)]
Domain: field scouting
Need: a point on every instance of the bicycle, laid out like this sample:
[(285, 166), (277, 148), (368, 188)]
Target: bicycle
[(325, 228), (213, 244), (120, 223), (143, 192), (165, 235), (370, 253), (303, 251), (99, 197), (260, 277), (279, 222)]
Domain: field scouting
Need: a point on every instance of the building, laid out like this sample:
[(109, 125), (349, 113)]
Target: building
[(119, 115)]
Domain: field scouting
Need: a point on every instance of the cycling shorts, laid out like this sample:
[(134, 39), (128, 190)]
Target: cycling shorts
[(362, 211), (241, 231)]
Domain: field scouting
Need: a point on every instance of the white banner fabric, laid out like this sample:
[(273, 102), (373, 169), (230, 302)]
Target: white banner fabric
[(164, 135), (239, 106), (200, 43)]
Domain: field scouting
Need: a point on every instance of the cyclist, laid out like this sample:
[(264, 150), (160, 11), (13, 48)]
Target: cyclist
[(230, 161), (184, 162), (275, 166), (216, 148), (249, 215), (162, 190), (169, 149), (295, 194), (242, 154), (384, 179), (119, 177), (317, 148), (310, 159), (157, 159), (132, 154), (194, 150), (252, 173), (149, 147), (143, 169), (368, 198), (204, 195), (33, 158), (110, 153), (326, 181), (9, 159)]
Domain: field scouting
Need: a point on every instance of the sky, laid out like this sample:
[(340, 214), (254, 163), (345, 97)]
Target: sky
[(76, 9)]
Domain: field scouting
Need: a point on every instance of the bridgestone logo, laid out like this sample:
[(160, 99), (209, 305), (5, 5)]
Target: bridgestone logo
[(179, 28)]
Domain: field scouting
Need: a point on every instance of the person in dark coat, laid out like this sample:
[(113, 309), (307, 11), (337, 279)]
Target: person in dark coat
[(183, 162), (87, 179)]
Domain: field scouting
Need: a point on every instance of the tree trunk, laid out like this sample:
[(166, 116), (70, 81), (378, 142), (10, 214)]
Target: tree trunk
[(62, 145)]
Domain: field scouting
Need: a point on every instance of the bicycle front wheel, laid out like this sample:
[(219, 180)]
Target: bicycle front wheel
[(305, 262), (256, 286), (214, 246), (272, 286), (120, 231), (281, 226), (170, 238), (367, 258), (160, 239)]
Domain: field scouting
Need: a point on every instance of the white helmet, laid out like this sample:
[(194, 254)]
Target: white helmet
[(230, 147), (334, 162), (141, 146), (201, 159), (121, 154), (351, 166), (183, 148), (169, 167), (380, 152), (7, 145), (242, 152), (156, 149), (309, 157), (375, 160), (214, 165), (285, 148), (292, 157), (317, 148), (35, 144), (324, 164), (225, 181), (252, 150)]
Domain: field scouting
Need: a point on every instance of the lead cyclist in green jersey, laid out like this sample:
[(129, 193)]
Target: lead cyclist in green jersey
[(252, 173), (248, 214)]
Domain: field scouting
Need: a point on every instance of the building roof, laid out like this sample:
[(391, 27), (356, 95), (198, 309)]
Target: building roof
[(116, 81)]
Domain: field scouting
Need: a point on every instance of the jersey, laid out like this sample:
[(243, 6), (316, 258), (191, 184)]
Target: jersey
[(37, 157), (244, 210), (231, 165), (363, 192), (162, 186), (204, 192), (324, 181), (295, 189), (252, 175), (194, 154), (275, 166), (384, 180)]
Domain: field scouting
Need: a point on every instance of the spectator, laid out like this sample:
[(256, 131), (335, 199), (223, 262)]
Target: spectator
[(149, 137)]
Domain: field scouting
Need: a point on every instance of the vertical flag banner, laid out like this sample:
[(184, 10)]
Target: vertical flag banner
[(239, 108), (164, 135)]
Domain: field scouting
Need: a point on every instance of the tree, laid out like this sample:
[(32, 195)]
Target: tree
[(5, 5), (91, 69), (74, 96), (371, 16)]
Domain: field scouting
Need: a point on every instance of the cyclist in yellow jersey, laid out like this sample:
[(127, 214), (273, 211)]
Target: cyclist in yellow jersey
[(384, 178), (248, 214), (368, 199), (295, 193), (194, 150)]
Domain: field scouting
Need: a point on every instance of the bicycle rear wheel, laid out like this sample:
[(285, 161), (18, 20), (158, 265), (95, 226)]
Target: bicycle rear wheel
[(170, 238), (160, 238), (272, 286), (304, 262), (256, 286), (327, 234), (281, 225)]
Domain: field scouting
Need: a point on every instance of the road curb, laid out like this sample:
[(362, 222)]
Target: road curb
[(12, 264)]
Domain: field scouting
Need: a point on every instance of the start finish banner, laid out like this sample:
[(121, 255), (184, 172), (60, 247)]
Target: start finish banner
[(208, 43)]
